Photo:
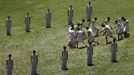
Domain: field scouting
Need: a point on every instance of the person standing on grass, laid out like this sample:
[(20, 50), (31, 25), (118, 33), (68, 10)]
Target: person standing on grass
[(93, 26), (8, 25), (126, 28), (89, 12), (89, 54), (121, 22), (80, 37), (91, 36), (108, 22), (64, 59), (113, 50), (119, 30), (34, 62), (70, 15), (72, 38), (82, 23), (9, 65), (48, 19), (27, 22)]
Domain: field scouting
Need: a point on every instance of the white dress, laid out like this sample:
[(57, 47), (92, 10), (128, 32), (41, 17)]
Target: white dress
[(27, 22), (80, 36), (89, 12), (108, 30), (89, 54), (93, 26), (64, 58), (34, 63), (126, 27), (71, 36), (119, 29), (91, 35), (9, 66), (8, 26), (70, 15), (121, 24), (48, 19), (113, 51)]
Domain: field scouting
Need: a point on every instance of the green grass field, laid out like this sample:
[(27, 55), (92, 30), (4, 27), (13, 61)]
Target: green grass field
[(48, 42)]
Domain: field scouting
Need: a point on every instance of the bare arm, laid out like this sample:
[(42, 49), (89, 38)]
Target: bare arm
[(102, 30)]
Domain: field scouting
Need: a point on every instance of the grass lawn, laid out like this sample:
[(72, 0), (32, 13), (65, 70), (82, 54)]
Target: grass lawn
[(48, 42)]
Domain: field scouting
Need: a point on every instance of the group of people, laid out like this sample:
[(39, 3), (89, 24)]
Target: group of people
[(34, 62), (27, 22), (90, 52), (78, 33)]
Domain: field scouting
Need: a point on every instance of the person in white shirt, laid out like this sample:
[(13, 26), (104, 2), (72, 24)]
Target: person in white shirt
[(93, 26), (72, 38), (126, 29), (91, 36), (119, 30), (80, 37), (108, 22), (107, 29), (121, 22)]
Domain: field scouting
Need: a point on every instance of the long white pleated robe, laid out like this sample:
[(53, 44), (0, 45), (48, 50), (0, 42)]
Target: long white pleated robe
[(64, 58), (9, 66), (113, 51), (89, 54), (27, 23), (48, 19), (89, 13), (34, 62), (8, 26), (70, 16)]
